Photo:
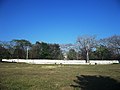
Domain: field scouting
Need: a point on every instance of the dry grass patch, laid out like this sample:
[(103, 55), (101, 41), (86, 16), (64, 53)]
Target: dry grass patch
[(15, 76)]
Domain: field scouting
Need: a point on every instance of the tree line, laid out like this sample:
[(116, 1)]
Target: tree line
[(24, 49), (89, 47), (86, 47)]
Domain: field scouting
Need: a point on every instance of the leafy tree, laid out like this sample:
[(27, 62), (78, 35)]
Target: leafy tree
[(42, 50), (103, 52), (45, 52), (34, 51), (19, 53), (4, 53), (55, 51), (20, 48), (22, 44), (72, 54), (5, 50), (60, 56)]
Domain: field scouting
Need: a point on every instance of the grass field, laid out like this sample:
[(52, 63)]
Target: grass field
[(19, 76)]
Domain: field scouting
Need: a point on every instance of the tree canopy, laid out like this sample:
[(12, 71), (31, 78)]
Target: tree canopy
[(87, 47)]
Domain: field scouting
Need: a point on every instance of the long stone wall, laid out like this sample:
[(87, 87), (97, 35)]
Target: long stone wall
[(45, 61)]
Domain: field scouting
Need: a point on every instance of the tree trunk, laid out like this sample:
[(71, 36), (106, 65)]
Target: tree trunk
[(27, 54), (87, 60)]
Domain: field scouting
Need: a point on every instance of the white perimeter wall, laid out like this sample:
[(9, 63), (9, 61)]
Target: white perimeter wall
[(45, 61)]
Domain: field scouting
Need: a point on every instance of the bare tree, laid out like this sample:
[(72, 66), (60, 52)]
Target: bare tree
[(86, 43), (113, 43)]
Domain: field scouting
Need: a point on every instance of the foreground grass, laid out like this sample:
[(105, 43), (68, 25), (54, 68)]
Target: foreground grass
[(17, 76)]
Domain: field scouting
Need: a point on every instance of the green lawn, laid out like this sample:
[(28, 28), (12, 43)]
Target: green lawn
[(19, 76)]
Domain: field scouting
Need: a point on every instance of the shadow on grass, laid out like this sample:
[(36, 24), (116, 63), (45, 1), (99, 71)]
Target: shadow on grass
[(7, 62), (86, 82)]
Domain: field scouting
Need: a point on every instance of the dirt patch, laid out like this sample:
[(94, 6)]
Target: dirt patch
[(49, 67), (66, 88)]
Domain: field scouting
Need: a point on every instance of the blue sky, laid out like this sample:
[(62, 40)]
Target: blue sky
[(58, 21)]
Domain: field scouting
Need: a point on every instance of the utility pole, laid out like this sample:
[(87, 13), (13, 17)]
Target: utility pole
[(27, 53)]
